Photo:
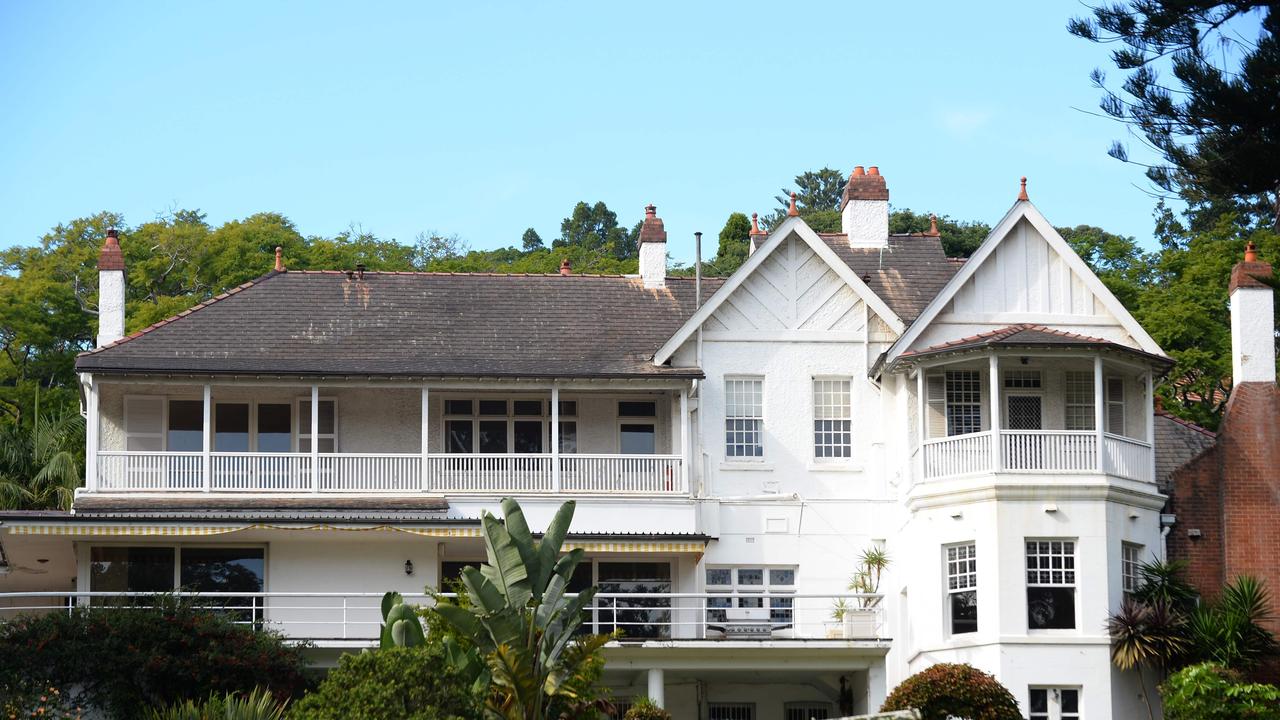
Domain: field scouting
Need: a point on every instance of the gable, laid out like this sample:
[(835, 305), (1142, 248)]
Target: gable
[(793, 290)]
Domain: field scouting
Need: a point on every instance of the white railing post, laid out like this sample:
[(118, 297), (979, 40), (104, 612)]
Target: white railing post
[(994, 363), (315, 438), (206, 462), (91, 438), (1099, 416), (555, 438), (426, 440)]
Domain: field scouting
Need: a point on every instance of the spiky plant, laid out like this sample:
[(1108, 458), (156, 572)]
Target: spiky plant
[(40, 460), (1146, 636), (1230, 632)]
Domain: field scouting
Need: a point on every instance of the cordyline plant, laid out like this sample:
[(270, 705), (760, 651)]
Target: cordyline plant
[(523, 625)]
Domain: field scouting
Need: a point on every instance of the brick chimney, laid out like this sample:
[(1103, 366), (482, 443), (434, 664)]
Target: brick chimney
[(653, 249), (1253, 338), (110, 291), (864, 209)]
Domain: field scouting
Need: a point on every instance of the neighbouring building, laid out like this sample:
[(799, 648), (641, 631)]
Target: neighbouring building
[(309, 440)]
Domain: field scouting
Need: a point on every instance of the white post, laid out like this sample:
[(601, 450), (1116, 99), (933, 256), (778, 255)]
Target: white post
[(1151, 429), (994, 363), (91, 439), (315, 438), (426, 440), (206, 445), (657, 687), (922, 423), (555, 438), (685, 457), (1099, 411)]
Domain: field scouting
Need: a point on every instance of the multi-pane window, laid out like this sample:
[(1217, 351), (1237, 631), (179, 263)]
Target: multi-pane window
[(962, 587), (1115, 405), (1022, 379), (731, 711), (745, 587), (1130, 562), (832, 419), (637, 433), (807, 711), (327, 438), (1051, 584), (1078, 397), (1048, 703), (744, 418), (964, 401), (503, 426)]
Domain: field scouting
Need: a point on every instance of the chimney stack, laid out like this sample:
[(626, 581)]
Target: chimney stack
[(110, 291), (1253, 323), (653, 249), (864, 209), (757, 236)]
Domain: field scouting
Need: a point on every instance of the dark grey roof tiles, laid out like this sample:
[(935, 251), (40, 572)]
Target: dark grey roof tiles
[(907, 274), (1177, 443)]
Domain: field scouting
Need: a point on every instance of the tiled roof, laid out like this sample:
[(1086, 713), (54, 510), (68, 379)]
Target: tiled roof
[(198, 507), (906, 275), (1178, 441), (1025, 335), (417, 324)]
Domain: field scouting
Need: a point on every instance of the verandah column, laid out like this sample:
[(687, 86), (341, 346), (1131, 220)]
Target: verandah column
[(315, 438), (91, 439), (555, 438), (206, 459), (994, 364), (1099, 407), (686, 459), (425, 448), (922, 423), (1149, 412)]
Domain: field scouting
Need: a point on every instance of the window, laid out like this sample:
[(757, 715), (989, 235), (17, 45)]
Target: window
[(1130, 562), (962, 587), (632, 408), (519, 426), (327, 439), (1022, 379), (745, 587), (807, 711), (231, 427), (964, 401), (620, 708), (636, 436), (144, 426), (832, 419), (1078, 393), (635, 617), (744, 418), (1054, 703), (161, 569), (275, 427), (731, 711), (1051, 584), (185, 426), (119, 569), (1115, 405)]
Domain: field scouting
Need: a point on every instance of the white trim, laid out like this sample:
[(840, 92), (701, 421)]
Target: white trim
[(1024, 209), (784, 231), (206, 441)]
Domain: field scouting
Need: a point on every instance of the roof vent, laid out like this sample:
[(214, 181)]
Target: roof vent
[(360, 271)]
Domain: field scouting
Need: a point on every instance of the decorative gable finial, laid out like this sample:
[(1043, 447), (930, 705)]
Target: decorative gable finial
[(755, 225), (279, 259), (1022, 194), (933, 226), (793, 211)]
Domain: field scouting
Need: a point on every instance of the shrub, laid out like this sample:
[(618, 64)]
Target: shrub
[(645, 709), (28, 698), (128, 659), (413, 683), (259, 704), (1212, 692), (948, 690)]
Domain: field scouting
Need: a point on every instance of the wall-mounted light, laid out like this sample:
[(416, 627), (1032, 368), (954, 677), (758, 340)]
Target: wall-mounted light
[(408, 567)]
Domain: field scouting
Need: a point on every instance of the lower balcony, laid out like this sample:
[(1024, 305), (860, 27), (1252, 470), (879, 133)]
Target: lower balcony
[(231, 472)]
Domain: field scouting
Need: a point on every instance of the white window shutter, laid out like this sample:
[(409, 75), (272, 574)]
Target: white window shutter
[(1115, 405), (144, 423), (936, 399)]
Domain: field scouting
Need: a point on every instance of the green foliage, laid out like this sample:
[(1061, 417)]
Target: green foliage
[(595, 228), (400, 624), (523, 628), (734, 247), (28, 698), (1212, 692), (257, 704), (959, 238), (1231, 631), (41, 454), (531, 240), (646, 709), (950, 690), (128, 658), (398, 683), (818, 195)]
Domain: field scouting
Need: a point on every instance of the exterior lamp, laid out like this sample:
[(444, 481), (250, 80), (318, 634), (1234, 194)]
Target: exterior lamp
[(408, 567)]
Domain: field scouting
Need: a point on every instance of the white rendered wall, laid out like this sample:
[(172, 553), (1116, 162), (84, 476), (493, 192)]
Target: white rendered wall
[(653, 264), (866, 222), (1253, 335), (110, 306)]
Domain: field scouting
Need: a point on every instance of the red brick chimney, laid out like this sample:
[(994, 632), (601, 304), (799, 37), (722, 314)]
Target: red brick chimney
[(110, 290), (653, 249)]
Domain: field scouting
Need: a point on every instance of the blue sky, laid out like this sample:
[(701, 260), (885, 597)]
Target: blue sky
[(483, 119)]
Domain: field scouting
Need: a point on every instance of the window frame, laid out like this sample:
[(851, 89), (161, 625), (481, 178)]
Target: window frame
[(760, 419), (1085, 379), (1053, 702), (1130, 576), (808, 708), (510, 418), (622, 420), (970, 575), (975, 404), (845, 447), (177, 556), (1073, 572), (735, 591), (749, 707), (1121, 404), (300, 432)]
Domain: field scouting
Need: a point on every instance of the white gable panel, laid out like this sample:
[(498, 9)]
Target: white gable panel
[(793, 289)]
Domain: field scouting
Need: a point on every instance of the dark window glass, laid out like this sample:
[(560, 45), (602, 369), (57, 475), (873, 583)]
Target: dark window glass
[(131, 569), (528, 436), (1070, 701), (493, 436), (231, 427), (635, 617), (459, 435), (637, 440), (568, 407), (493, 407), (1051, 608), (219, 570), (631, 408), (528, 407), (186, 425), (458, 407), (1039, 704), (451, 571), (275, 427), (964, 612), (326, 420), (569, 437)]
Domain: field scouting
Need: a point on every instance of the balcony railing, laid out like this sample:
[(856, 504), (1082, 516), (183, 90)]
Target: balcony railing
[(1038, 451), (637, 617), (389, 473)]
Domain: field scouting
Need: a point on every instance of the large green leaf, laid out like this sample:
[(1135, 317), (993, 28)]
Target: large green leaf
[(484, 595), (518, 528), (505, 569), (552, 541), (552, 600), (390, 600)]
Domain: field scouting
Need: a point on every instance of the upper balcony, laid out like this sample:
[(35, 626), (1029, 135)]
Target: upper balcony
[(241, 438)]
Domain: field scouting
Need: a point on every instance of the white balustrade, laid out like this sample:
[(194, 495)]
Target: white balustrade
[(1127, 458), (365, 472), (489, 472), (150, 471), (260, 472), (641, 474), (957, 455), (1049, 450), (1037, 451)]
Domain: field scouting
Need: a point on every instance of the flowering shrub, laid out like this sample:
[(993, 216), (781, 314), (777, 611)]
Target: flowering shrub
[(1213, 692), (954, 691), (645, 709), (36, 700)]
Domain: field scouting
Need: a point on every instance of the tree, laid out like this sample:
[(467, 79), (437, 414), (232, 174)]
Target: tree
[(595, 227), (530, 240), (398, 683), (1116, 259), (818, 195), (949, 690), (959, 237), (735, 246), (41, 456), (1212, 692), (1216, 124)]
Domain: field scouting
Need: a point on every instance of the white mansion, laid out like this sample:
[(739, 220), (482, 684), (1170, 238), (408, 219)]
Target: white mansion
[(308, 440)]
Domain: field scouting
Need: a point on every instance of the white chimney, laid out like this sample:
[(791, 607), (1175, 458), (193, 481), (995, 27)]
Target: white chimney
[(1253, 322), (110, 291), (864, 209), (653, 249)]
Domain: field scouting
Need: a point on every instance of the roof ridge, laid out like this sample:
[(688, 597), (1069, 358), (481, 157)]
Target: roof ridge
[(1187, 423), (198, 306), (476, 274)]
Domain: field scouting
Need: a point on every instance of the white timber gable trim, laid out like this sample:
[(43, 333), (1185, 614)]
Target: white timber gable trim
[(1024, 210), (792, 320)]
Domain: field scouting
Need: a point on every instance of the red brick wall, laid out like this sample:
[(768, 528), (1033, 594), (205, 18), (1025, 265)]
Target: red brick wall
[(1197, 503)]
